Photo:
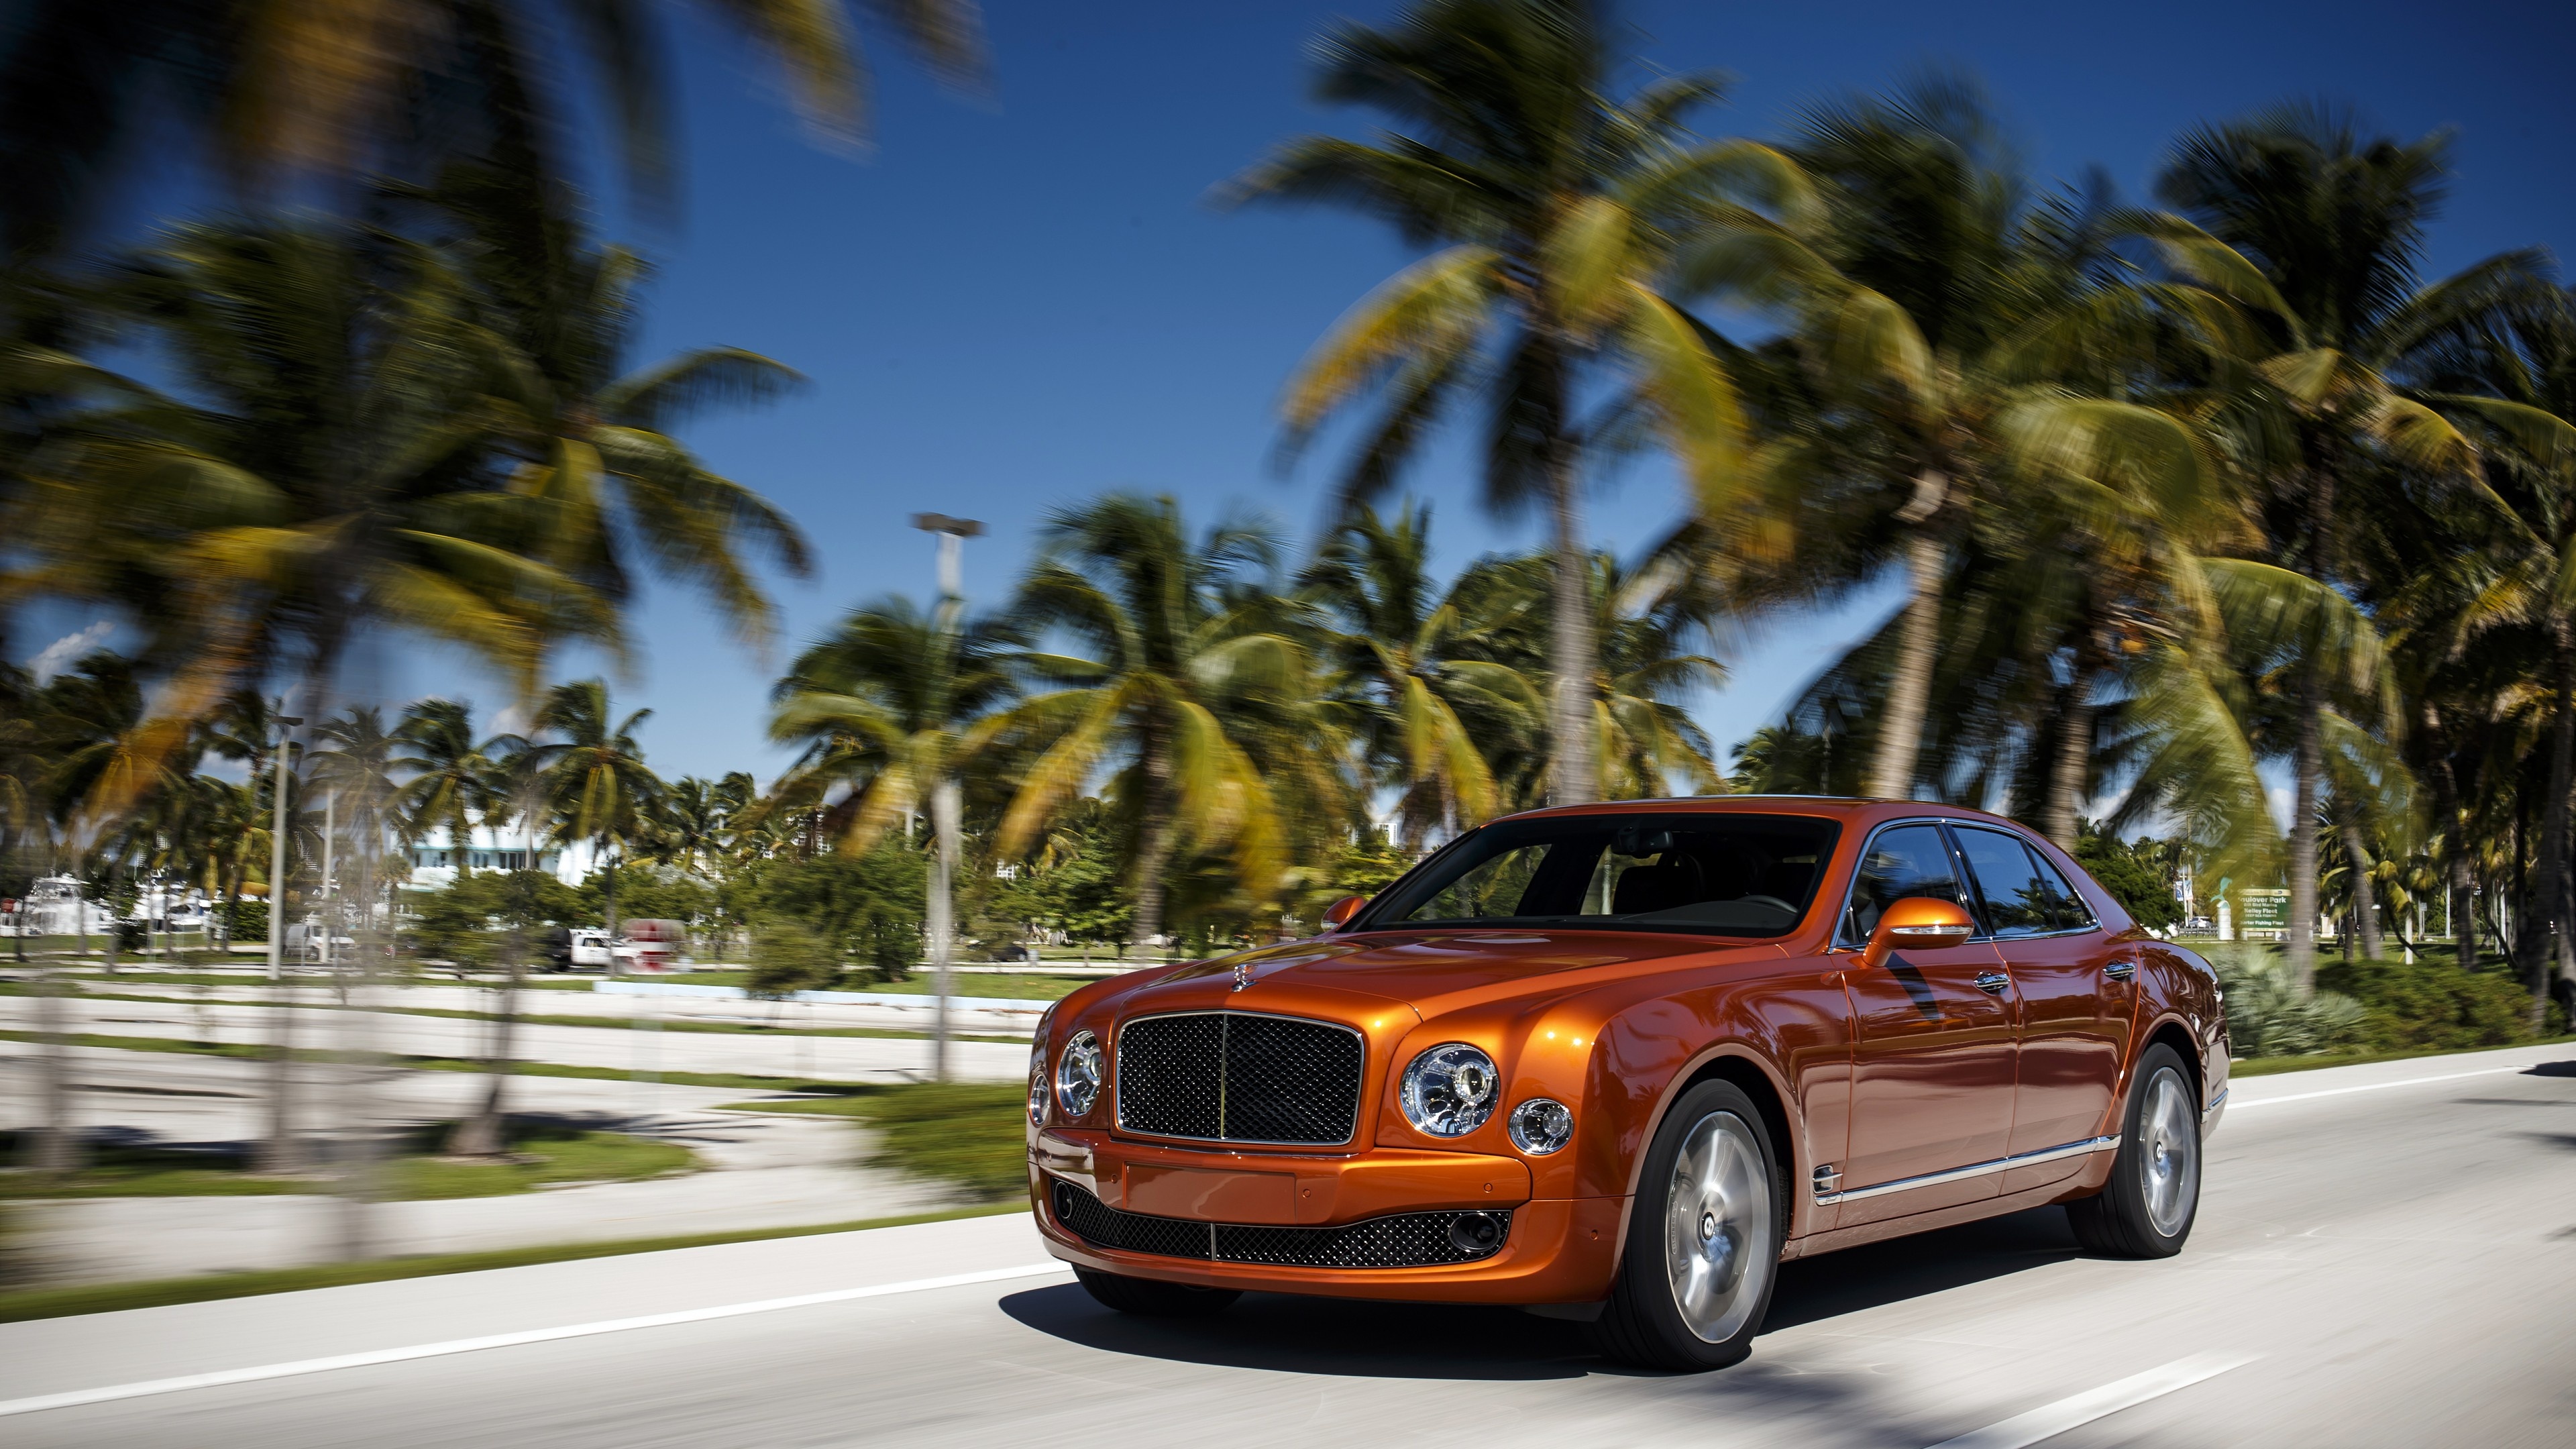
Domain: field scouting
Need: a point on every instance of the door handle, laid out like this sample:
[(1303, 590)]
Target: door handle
[(1992, 982), (2121, 969)]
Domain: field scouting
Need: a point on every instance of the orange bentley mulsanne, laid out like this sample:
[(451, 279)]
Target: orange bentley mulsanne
[(1614, 1063)]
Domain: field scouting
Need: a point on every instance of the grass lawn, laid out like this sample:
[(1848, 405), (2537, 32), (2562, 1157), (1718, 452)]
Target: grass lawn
[(2267, 1066), (968, 1133), (31, 1303), (543, 1156), (1034, 986)]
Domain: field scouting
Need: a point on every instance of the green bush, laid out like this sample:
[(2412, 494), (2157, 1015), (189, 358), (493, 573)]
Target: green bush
[(787, 958), (2268, 1015), (246, 920), (2429, 1005)]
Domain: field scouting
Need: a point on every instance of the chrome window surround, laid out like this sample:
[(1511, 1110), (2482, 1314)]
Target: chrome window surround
[(1975, 1169), (1118, 1080), (1967, 883)]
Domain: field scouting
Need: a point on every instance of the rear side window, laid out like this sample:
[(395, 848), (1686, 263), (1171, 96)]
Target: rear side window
[(2066, 909), (2018, 902), (1909, 860), (2024, 894)]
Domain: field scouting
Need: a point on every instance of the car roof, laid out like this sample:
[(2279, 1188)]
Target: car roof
[(1840, 806)]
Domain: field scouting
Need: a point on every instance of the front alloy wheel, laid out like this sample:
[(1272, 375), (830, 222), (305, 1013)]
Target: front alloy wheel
[(1704, 1238)]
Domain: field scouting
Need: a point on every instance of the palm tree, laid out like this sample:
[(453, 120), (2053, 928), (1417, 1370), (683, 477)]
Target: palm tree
[(2321, 231), (697, 823), (1430, 708), (1185, 680), (587, 444), (1947, 333), (1643, 737), (325, 476), (2523, 580), (592, 781), (454, 780), (285, 90), (1557, 207), (889, 706)]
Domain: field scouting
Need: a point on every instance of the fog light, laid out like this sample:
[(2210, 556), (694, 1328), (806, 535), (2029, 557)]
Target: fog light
[(1540, 1126), (1078, 1073), (1475, 1232), (1450, 1090)]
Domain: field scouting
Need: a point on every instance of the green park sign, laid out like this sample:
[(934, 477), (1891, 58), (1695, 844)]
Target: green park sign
[(2262, 910)]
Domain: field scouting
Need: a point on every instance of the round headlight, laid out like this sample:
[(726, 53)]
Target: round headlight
[(1078, 1073), (1540, 1126), (1037, 1099), (1450, 1090)]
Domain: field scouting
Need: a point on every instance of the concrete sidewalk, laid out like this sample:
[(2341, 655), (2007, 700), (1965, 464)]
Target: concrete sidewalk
[(764, 1169)]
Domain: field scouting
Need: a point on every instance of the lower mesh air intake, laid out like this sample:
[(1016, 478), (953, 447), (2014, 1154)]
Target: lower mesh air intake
[(1401, 1240)]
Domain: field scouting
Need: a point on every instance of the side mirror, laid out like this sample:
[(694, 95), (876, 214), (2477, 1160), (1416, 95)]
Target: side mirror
[(1339, 913), (1918, 923)]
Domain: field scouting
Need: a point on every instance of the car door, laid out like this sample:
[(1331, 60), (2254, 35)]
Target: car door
[(1932, 1049), (2074, 1016)]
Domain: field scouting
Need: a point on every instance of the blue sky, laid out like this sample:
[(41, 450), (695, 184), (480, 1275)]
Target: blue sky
[(1019, 301)]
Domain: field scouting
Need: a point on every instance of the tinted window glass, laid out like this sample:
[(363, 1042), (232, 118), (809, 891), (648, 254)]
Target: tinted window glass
[(2018, 902), (1718, 874), (2066, 909), (1910, 860)]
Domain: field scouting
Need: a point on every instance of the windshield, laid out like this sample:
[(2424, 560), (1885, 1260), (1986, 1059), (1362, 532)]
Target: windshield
[(1702, 872)]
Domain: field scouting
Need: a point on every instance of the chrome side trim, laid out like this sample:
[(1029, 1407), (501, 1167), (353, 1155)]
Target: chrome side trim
[(1975, 1169), (2210, 1112)]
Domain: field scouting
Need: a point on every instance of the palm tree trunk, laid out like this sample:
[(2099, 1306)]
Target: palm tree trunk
[(2309, 769), (280, 1153), (2549, 871), (58, 1148), (1154, 836), (2457, 879), (1574, 768), (483, 1134), (1909, 694), (2365, 895), (2074, 755)]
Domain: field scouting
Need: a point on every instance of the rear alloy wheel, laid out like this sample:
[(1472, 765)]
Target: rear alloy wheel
[(1704, 1237), (1153, 1298), (2147, 1208)]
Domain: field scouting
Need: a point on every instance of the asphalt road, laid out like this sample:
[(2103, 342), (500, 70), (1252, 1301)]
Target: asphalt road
[(2385, 1255)]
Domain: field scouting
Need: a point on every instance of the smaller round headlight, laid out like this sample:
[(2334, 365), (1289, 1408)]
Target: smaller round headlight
[(1450, 1090), (1037, 1099), (1540, 1126), (1078, 1073)]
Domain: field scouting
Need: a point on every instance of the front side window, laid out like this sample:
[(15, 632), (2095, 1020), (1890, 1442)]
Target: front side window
[(1702, 872), (1908, 860), (2066, 909)]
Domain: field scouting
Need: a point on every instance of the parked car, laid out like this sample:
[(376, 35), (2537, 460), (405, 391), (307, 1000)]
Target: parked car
[(589, 949), (1614, 1063)]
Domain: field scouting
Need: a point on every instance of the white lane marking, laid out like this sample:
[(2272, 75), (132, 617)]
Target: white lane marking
[(505, 1340), (2236, 1106), (2050, 1420)]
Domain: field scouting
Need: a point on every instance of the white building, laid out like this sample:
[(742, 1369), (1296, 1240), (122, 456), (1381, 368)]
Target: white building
[(435, 858)]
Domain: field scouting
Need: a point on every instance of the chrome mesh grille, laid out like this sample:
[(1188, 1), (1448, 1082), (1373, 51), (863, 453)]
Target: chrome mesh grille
[(1402, 1240), (1236, 1076)]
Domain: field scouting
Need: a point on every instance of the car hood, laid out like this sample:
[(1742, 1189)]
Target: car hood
[(1436, 970)]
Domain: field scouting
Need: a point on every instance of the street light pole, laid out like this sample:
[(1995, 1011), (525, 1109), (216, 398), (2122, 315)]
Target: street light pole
[(944, 803)]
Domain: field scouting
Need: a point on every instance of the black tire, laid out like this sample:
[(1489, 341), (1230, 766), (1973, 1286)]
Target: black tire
[(2147, 1208), (1644, 1322), (1152, 1298)]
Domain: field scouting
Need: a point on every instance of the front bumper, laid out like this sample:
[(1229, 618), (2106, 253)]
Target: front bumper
[(1320, 1220)]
